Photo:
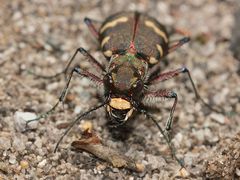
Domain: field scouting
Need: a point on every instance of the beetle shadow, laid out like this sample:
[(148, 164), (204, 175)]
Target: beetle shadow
[(120, 132)]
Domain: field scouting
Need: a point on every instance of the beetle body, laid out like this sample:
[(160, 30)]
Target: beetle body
[(132, 42)]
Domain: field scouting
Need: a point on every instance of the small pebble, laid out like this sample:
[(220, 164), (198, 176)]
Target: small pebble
[(238, 172), (183, 173), (21, 119), (115, 170), (38, 142), (12, 159), (19, 142), (155, 161), (77, 109), (85, 82), (218, 118), (178, 140), (5, 143), (4, 168), (24, 164), (42, 163), (101, 167), (86, 125), (52, 86), (140, 167)]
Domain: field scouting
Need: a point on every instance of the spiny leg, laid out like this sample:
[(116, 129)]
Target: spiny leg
[(85, 53), (74, 122), (176, 44), (164, 94), (166, 75), (80, 72), (94, 62), (91, 27), (171, 74), (171, 147)]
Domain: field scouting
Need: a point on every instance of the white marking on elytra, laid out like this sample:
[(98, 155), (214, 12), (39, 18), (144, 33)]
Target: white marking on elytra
[(113, 23), (104, 41), (153, 60), (108, 53), (159, 48), (157, 30)]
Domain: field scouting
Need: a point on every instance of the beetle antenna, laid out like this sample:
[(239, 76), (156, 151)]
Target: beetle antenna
[(79, 118), (170, 145)]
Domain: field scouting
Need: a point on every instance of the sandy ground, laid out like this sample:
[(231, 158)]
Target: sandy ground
[(42, 35)]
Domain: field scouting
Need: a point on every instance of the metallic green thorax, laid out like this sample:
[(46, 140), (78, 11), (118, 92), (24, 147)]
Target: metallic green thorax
[(126, 70)]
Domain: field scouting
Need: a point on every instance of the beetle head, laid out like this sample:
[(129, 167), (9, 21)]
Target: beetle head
[(124, 85)]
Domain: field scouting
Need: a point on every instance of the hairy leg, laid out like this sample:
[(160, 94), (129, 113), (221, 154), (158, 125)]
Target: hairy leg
[(164, 94), (80, 72), (171, 147), (171, 74)]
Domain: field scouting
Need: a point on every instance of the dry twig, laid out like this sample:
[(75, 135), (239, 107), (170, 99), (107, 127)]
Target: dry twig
[(91, 143)]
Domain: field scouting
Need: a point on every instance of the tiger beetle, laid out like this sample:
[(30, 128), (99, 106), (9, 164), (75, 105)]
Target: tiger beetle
[(133, 43)]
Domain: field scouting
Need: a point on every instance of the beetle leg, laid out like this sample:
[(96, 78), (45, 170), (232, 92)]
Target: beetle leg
[(171, 74), (97, 65), (79, 118), (178, 44), (89, 57), (170, 145), (82, 73), (164, 94), (65, 89), (91, 27), (84, 53), (168, 75)]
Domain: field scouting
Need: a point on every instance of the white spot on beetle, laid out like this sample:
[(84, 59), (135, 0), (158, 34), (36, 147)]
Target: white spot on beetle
[(159, 48), (108, 53), (153, 60)]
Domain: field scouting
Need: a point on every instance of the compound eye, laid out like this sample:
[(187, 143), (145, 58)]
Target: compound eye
[(110, 79), (138, 85), (134, 85)]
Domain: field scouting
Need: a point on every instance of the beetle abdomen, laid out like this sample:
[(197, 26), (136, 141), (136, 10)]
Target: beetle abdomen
[(135, 32)]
